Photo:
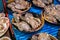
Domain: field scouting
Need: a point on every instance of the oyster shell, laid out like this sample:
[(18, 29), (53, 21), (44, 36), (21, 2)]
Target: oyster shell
[(4, 24), (26, 19), (5, 38), (23, 26), (19, 6), (42, 3), (52, 12), (43, 36)]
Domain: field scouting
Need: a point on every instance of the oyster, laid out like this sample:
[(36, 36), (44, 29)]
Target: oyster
[(29, 18), (19, 5), (32, 21), (26, 22), (52, 12), (42, 3), (4, 24), (23, 26), (5, 38), (42, 36)]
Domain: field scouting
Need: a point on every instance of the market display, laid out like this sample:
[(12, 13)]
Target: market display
[(29, 22)]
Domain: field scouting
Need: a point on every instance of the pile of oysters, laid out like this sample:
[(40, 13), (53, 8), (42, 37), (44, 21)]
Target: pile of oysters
[(28, 22)]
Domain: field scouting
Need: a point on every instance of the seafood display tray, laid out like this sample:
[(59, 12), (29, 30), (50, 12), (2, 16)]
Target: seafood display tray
[(48, 28)]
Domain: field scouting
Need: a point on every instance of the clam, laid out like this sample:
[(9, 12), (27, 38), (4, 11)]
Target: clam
[(19, 6), (28, 22), (43, 36)]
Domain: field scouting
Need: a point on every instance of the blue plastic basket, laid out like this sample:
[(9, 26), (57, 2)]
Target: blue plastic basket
[(48, 28)]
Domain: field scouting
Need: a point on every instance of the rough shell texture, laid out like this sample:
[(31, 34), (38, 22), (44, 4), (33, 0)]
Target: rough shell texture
[(19, 6), (42, 3), (27, 22), (52, 11), (43, 36)]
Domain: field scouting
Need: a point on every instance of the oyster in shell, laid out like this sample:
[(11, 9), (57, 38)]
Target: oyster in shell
[(5, 38), (27, 22), (23, 26), (42, 36), (42, 3), (19, 6), (4, 24), (52, 13)]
